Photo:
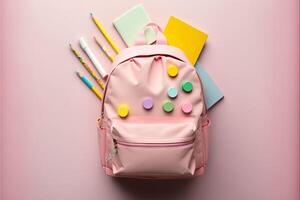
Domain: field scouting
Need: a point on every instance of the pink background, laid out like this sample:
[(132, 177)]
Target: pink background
[(49, 141)]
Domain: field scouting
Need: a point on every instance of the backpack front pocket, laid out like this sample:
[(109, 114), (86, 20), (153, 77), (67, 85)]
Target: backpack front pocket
[(158, 148)]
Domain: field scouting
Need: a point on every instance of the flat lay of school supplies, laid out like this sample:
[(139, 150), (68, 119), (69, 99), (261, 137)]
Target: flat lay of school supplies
[(154, 98)]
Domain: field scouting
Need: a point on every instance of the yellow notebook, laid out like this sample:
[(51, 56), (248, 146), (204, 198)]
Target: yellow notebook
[(187, 38)]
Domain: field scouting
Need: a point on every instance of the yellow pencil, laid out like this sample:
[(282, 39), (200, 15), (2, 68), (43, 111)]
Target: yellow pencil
[(108, 38), (87, 67), (105, 50)]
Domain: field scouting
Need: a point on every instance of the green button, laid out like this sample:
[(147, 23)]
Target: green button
[(168, 106), (187, 86)]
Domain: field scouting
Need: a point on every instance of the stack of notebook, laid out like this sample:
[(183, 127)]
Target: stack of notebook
[(179, 34)]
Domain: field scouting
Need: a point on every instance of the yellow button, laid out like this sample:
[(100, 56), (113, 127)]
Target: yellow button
[(172, 70), (123, 110)]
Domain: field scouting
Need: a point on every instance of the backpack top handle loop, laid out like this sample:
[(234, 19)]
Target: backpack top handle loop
[(145, 36)]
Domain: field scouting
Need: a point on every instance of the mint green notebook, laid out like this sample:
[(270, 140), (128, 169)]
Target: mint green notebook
[(131, 23)]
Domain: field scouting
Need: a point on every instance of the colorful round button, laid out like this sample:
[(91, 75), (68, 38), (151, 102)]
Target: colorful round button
[(123, 110), (187, 86), (172, 70), (172, 92), (168, 106), (148, 103), (186, 108)]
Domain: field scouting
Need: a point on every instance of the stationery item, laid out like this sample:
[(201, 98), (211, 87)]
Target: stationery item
[(131, 23), (187, 38), (87, 67), (105, 50), (105, 34), (212, 93), (92, 57), (89, 84)]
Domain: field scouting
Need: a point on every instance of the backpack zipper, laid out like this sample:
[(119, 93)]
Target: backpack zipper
[(143, 144), (114, 150)]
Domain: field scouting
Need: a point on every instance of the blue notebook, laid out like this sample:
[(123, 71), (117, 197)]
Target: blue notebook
[(212, 93)]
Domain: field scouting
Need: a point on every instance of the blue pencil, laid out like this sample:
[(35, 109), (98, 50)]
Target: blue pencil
[(90, 85)]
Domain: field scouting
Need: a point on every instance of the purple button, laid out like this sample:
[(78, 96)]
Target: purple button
[(148, 103)]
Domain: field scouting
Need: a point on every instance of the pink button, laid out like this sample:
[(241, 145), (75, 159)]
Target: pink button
[(186, 108)]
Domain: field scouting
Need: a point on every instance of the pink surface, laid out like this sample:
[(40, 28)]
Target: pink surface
[(49, 140)]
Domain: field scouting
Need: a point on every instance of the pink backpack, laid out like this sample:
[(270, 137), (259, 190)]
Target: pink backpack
[(153, 121)]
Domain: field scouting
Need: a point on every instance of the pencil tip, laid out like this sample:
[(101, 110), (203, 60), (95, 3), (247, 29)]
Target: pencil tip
[(78, 73), (70, 45), (91, 14)]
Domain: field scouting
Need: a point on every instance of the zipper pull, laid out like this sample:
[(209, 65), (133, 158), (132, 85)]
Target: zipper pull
[(113, 152)]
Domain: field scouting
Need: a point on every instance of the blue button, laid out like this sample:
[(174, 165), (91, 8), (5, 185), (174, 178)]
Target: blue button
[(172, 92)]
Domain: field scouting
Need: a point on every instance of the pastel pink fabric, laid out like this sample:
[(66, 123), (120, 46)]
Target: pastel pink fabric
[(152, 143)]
